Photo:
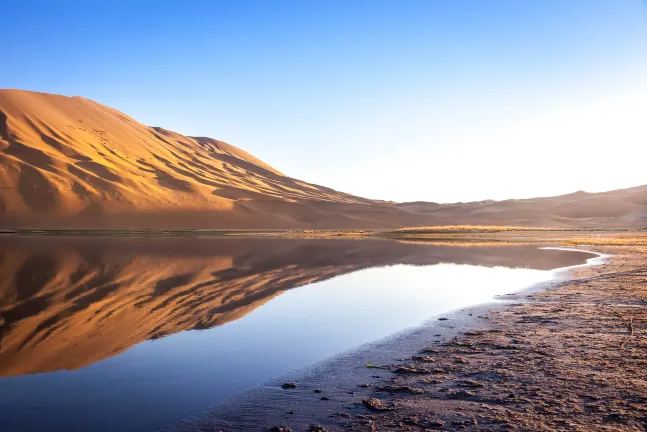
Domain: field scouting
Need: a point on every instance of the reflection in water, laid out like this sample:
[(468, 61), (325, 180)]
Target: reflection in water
[(68, 303)]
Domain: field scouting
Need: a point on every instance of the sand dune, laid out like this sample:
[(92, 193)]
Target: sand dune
[(69, 162)]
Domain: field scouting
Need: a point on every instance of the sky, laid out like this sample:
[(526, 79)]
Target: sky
[(407, 100)]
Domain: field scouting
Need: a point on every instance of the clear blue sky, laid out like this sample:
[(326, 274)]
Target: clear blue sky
[(436, 100)]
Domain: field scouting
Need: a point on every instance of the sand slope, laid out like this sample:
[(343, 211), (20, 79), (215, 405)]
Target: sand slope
[(72, 162)]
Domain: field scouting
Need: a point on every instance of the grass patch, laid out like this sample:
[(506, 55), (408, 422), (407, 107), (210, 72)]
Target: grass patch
[(606, 241), (466, 229)]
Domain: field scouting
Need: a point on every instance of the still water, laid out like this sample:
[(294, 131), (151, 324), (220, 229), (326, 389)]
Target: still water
[(131, 334)]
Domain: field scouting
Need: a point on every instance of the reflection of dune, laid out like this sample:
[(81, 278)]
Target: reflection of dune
[(68, 302)]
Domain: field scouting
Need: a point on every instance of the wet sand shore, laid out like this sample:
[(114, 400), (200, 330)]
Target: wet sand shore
[(569, 357)]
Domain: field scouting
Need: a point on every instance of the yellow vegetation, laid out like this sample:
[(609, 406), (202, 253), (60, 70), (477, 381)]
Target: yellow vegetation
[(468, 228)]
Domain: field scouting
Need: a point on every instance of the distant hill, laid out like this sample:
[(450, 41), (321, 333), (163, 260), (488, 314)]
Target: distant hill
[(74, 163)]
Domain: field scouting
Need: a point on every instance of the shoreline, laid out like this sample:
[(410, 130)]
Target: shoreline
[(482, 369), (475, 236)]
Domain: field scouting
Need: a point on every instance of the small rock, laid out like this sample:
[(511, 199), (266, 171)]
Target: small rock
[(426, 359), (471, 384), (410, 369), (401, 389), (430, 381), (459, 394), (443, 319), (464, 423), (435, 423), (280, 429), (375, 404), (325, 398), (614, 417), (317, 391), (289, 385)]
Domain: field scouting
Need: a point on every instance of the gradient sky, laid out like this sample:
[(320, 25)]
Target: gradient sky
[(434, 100)]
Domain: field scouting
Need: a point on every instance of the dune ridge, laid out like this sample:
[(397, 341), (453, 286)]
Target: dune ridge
[(69, 162)]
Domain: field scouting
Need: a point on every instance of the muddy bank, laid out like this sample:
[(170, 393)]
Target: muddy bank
[(563, 358)]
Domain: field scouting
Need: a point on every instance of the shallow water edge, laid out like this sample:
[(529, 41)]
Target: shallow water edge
[(344, 380)]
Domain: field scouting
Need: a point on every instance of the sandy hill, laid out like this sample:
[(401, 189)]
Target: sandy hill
[(72, 162)]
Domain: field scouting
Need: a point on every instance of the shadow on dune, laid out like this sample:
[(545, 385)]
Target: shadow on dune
[(4, 130), (36, 191)]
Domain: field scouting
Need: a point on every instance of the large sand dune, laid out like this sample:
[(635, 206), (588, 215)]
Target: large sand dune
[(74, 163)]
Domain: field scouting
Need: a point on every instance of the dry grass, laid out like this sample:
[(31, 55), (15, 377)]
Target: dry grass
[(446, 234), (448, 229), (574, 242), (458, 242), (606, 241)]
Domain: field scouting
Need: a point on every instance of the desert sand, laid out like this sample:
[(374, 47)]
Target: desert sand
[(69, 162)]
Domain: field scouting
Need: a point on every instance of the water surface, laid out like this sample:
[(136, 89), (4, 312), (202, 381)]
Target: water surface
[(130, 334)]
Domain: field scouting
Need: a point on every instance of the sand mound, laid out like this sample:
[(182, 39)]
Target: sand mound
[(74, 163), (71, 162)]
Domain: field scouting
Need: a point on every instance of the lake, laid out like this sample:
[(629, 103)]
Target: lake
[(134, 333)]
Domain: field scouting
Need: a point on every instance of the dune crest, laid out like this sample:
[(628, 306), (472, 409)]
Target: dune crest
[(69, 162)]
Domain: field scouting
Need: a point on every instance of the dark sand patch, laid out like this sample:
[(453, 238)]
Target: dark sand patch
[(81, 191), (63, 148), (4, 129), (92, 179), (30, 155), (35, 190), (167, 181), (99, 170)]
